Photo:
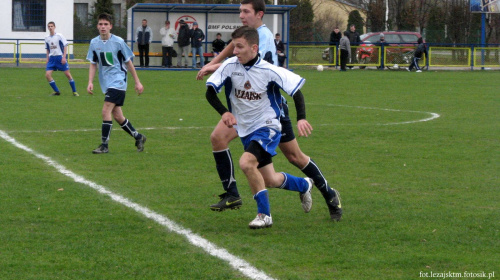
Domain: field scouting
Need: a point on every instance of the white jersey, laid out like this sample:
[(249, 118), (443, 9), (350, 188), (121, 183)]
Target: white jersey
[(253, 94), (55, 44)]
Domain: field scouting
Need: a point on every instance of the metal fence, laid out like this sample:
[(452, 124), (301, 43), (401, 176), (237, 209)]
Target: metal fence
[(453, 56), (32, 51)]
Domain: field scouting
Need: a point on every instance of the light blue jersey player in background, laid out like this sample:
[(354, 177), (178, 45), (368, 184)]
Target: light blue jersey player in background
[(251, 14), (57, 52), (255, 114), (114, 58)]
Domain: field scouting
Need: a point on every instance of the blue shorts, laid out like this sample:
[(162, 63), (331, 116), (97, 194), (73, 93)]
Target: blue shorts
[(268, 138), (55, 64)]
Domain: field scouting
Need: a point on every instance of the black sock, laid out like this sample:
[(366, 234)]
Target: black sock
[(225, 168), (106, 131), (312, 171), (127, 126)]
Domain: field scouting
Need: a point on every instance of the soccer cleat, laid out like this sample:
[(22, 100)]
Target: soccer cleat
[(139, 143), (56, 93), (335, 207), (227, 201), (101, 150), (419, 71), (306, 197), (261, 221), (408, 69), (75, 94)]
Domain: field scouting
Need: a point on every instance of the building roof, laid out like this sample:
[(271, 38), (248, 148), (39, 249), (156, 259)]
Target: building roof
[(204, 8)]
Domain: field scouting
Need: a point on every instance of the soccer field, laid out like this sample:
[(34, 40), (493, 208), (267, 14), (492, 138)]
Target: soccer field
[(415, 157)]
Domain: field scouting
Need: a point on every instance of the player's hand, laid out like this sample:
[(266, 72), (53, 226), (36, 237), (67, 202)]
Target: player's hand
[(305, 129), (63, 60), (228, 119), (90, 88), (206, 70), (139, 88)]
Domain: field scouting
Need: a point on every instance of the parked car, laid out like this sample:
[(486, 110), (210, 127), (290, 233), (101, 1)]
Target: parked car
[(367, 55)]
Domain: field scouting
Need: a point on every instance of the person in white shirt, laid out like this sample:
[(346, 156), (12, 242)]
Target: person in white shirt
[(57, 52), (168, 37), (252, 90)]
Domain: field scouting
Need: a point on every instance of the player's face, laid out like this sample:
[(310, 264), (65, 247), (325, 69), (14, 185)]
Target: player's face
[(51, 28), (248, 16), (104, 27), (244, 51)]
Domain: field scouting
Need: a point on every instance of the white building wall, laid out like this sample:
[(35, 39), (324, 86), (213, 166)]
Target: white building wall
[(58, 11)]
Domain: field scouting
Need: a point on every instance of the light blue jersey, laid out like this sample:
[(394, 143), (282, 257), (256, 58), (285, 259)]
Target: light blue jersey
[(111, 55), (267, 48)]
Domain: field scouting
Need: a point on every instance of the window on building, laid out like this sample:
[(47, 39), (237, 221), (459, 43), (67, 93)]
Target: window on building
[(117, 13), (82, 12), (29, 15)]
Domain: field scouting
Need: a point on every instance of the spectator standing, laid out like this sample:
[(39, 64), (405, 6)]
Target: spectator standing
[(218, 45), (168, 36), (382, 43), (183, 43), (335, 37), (345, 50), (280, 50), (417, 55), (197, 37), (144, 37), (354, 40)]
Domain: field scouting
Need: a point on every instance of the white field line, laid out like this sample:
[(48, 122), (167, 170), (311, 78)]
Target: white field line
[(221, 253), (430, 118)]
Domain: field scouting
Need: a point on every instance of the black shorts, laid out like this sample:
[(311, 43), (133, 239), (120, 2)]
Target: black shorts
[(115, 96), (286, 126)]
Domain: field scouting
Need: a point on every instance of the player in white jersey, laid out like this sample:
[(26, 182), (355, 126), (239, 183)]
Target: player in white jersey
[(251, 13), (114, 59), (57, 52), (255, 111)]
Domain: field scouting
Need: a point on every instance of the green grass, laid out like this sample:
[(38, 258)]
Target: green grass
[(418, 196)]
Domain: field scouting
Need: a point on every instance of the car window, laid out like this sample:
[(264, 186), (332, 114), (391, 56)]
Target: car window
[(409, 38), (372, 39), (392, 38)]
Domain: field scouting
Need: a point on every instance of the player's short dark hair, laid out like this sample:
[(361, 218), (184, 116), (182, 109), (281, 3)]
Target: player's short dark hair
[(257, 5), (167, 22), (420, 40), (277, 34), (218, 34), (51, 22), (248, 33), (106, 17)]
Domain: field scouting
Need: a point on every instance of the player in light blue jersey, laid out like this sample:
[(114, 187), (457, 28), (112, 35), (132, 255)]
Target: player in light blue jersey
[(251, 13), (255, 111), (114, 59), (57, 52)]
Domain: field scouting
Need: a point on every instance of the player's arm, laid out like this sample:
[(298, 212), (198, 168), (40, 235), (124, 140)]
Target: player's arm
[(138, 86), (227, 117), (92, 71), (48, 52), (215, 63), (302, 124)]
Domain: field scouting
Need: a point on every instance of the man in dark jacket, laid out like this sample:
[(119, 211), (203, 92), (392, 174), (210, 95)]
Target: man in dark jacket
[(354, 40), (144, 37), (197, 37), (280, 49), (417, 55), (218, 44), (183, 43), (334, 41)]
